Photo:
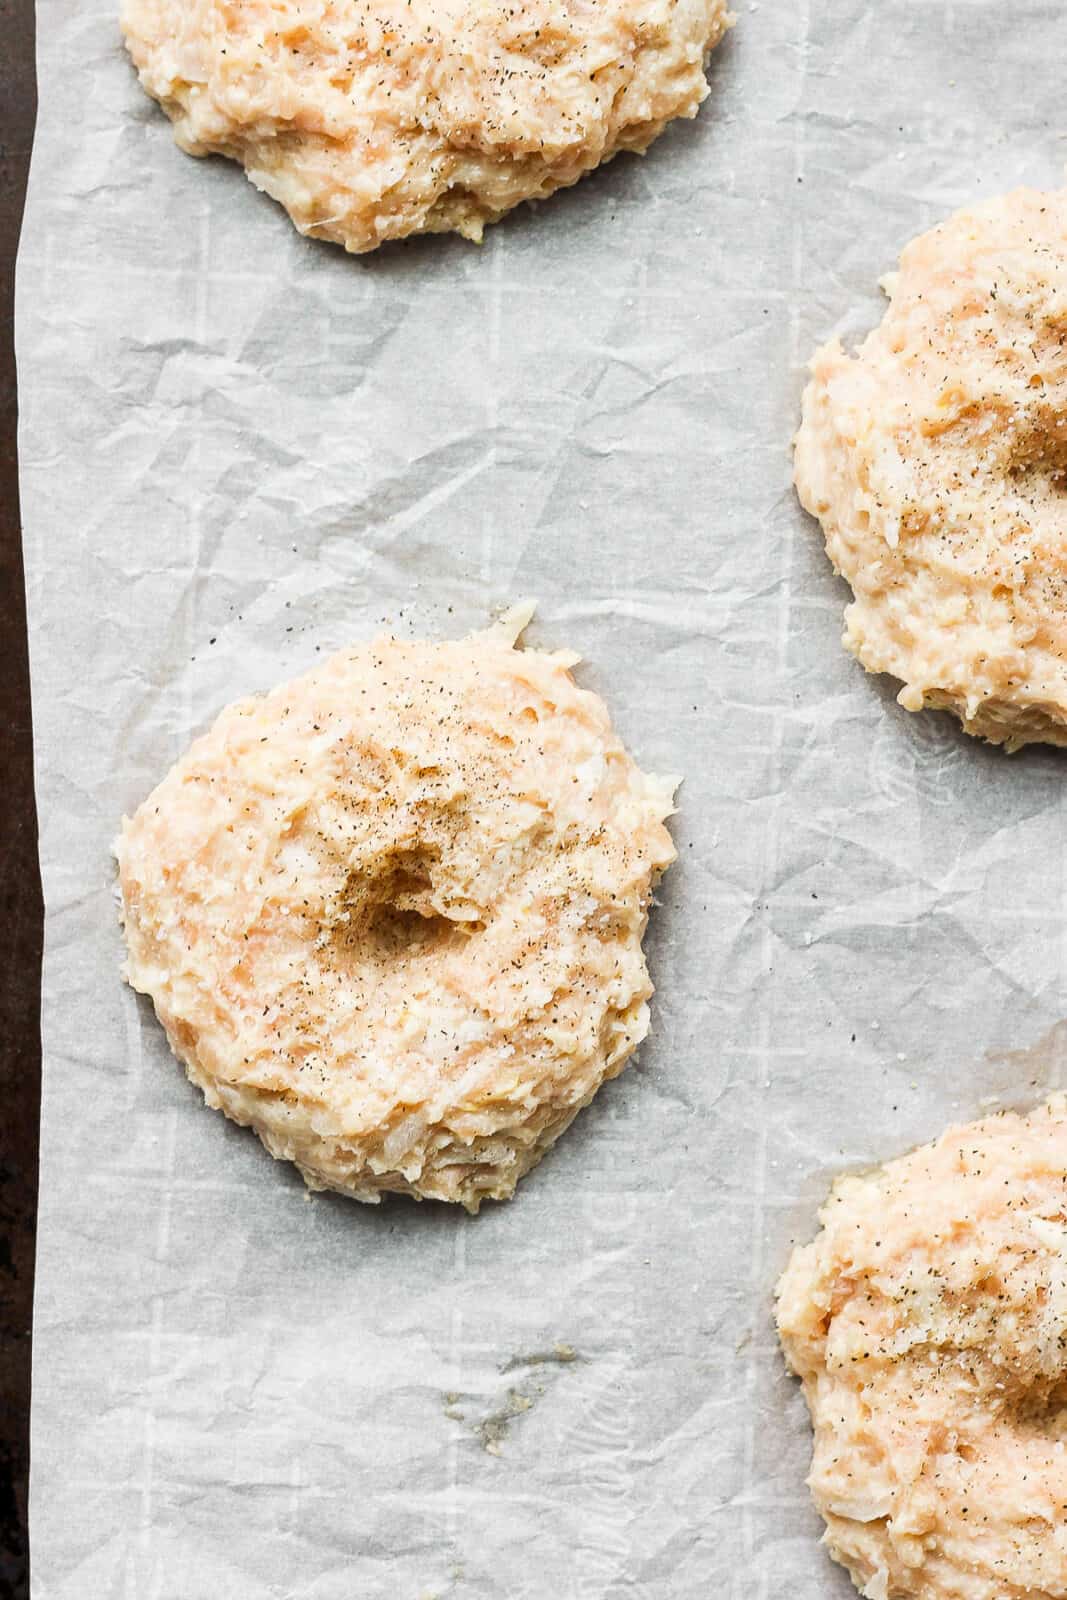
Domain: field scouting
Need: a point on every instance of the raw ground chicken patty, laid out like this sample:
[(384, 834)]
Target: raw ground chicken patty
[(928, 1322), (391, 913), (936, 461), (374, 121)]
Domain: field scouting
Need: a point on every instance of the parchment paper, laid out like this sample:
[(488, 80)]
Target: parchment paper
[(240, 449)]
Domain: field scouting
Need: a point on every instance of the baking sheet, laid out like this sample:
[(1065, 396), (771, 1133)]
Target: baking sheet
[(241, 449)]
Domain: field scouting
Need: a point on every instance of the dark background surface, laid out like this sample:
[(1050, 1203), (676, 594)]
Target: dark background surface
[(20, 906)]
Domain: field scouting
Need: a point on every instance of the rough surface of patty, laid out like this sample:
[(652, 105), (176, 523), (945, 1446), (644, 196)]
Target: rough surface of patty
[(928, 1323), (936, 461), (373, 121), (391, 913)]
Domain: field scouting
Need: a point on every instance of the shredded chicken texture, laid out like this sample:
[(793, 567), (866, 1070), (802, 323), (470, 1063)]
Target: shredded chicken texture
[(374, 121), (391, 913), (928, 1323), (936, 461)]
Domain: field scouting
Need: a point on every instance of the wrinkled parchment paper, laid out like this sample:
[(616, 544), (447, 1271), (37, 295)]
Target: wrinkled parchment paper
[(241, 449)]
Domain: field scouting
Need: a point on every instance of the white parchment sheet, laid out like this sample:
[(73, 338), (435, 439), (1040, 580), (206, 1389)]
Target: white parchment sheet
[(241, 449)]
